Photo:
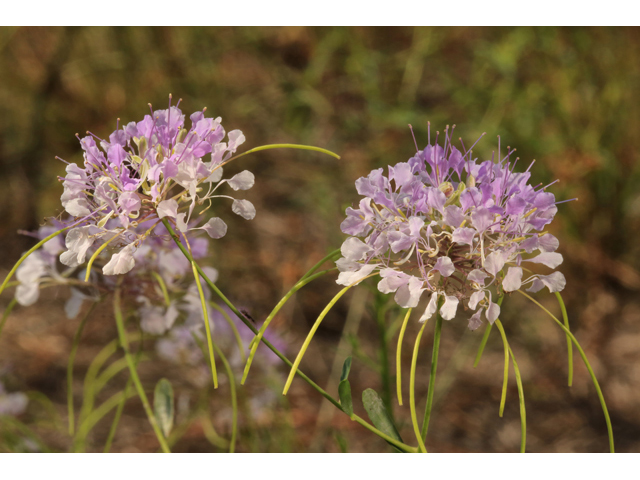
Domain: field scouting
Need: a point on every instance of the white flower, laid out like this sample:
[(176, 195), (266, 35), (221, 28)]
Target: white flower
[(121, 262)]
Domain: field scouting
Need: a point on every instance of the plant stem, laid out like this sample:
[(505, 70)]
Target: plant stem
[(234, 399), (207, 327), (412, 391), (432, 375), (72, 357), (7, 312), (399, 357), (523, 411), (385, 374), (29, 252), (234, 329), (485, 337), (586, 363), (565, 317), (307, 341), (256, 340), (251, 327), (134, 374)]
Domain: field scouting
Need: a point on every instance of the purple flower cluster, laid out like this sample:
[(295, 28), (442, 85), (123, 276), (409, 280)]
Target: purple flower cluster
[(453, 226), (144, 172)]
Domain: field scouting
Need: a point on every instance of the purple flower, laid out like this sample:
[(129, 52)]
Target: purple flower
[(144, 172), (454, 226)]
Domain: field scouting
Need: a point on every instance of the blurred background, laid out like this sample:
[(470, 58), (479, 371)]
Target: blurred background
[(567, 97)]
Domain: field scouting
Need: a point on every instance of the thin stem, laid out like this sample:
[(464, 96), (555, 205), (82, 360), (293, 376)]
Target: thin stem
[(205, 315), (284, 145), (134, 374), (432, 375), (234, 399), (256, 340), (95, 255), (29, 252), (288, 362), (95, 416), (402, 446), (565, 317), (586, 363), (485, 337), (313, 269), (307, 341), (523, 410), (385, 374), (7, 312), (96, 364), (505, 380), (116, 418), (399, 357), (72, 357), (163, 287), (412, 390), (234, 329)]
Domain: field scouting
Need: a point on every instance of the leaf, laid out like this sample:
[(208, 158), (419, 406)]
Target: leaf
[(346, 368), (378, 414), (344, 390), (163, 405)]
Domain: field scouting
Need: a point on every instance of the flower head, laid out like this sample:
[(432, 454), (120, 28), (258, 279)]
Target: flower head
[(453, 226), (144, 172)]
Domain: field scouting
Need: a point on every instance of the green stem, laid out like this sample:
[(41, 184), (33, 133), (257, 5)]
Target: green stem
[(25, 430), (432, 375), (288, 362), (116, 418), (90, 377), (313, 269), (565, 317), (412, 391), (95, 416), (207, 327), (307, 341), (163, 287), (399, 357), (256, 340), (401, 446), (234, 329), (523, 410), (134, 374), (485, 337), (95, 255), (234, 399), (7, 312), (586, 363), (29, 252), (72, 357), (284, 145), (385, 374)]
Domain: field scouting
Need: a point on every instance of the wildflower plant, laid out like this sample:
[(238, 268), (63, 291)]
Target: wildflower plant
[(461, 232), (442, 228)]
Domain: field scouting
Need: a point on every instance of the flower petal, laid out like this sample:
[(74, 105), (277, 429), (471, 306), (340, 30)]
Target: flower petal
[(448, 310), (513, 279)]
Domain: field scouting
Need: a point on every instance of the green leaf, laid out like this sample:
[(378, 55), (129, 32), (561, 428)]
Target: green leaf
[(344, 389), (378, 414), (346, 368), (163, 405)]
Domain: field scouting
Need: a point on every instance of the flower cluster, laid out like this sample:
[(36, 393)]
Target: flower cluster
[(453, 226), (144, 172)]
